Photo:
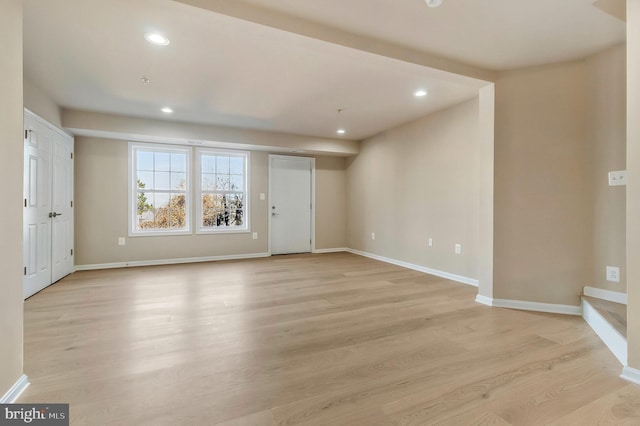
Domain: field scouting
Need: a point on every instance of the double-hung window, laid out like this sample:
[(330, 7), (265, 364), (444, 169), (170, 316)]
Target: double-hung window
[(161, 193), (159, 189), (222, 185)]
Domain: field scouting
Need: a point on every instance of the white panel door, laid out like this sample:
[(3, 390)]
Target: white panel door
[(62, 208), (37, 206), (290, 204), (48, 208)]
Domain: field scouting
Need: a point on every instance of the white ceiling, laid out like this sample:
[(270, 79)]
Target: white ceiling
[(220, 70), (492, 34)]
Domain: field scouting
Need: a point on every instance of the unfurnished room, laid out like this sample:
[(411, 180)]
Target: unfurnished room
[(281, 212)]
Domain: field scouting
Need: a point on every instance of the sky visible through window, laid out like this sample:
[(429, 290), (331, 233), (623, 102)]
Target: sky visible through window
[(161, 189)]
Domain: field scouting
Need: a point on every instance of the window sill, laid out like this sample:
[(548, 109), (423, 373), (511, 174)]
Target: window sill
[(222, 231), (159, 234)]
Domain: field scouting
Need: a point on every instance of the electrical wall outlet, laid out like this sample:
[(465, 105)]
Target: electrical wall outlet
[(618, 178), (430, 243), (373, 235), (613, 274), (255, 235), (458, 248), (121, 241)]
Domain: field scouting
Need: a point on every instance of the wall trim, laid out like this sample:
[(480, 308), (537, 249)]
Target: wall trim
[(16, 390), (484, 300), (136, 263), (616, 343), (631, 374), (441, 274), (609, 295), (330, 250), (530, 306)]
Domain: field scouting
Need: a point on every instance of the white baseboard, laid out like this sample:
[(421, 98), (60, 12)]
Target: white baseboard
[(484, 300), (447, 275), (16, 390), (611, 296), (330, 250), (631, 374), (523, 305), (616, 342), (169, 261)]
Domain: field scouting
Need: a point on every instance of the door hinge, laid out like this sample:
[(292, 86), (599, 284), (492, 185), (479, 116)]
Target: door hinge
[(72, 155), (72, 204), (25, 202), (26, 134), (71, 252), (25, 270)]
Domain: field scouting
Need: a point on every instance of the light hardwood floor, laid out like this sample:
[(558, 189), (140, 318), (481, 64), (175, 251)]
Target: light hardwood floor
[(310, 339)]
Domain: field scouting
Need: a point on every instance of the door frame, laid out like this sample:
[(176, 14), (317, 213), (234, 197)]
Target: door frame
[(313, 198)]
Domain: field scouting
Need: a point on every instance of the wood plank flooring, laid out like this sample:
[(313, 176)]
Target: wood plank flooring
[(331, 339)]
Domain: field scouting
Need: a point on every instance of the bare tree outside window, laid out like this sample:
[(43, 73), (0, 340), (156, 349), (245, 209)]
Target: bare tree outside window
[(223, 191), (161, 189)]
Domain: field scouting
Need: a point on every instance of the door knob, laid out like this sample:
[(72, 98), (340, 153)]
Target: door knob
[(54, 214), (275, 214)]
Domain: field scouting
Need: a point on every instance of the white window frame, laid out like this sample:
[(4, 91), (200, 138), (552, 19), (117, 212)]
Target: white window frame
[(246, 155), (133, 189)]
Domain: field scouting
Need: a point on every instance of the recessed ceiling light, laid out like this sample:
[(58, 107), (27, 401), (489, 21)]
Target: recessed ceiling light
[(433, 3), (420, 93), (156, 38), (167, 110), (341, 131)]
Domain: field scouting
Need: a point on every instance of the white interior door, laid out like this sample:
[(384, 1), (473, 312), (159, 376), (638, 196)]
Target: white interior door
[(62, 209), (48, 208), (37, 206), (290, 204)]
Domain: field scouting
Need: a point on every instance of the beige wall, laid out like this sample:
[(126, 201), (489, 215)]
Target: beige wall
[(606, 134), (486, 141), (416, 182), (41, 104), (542, 208), (101, 210), (331, 202), (633, 185), (11, 318)]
